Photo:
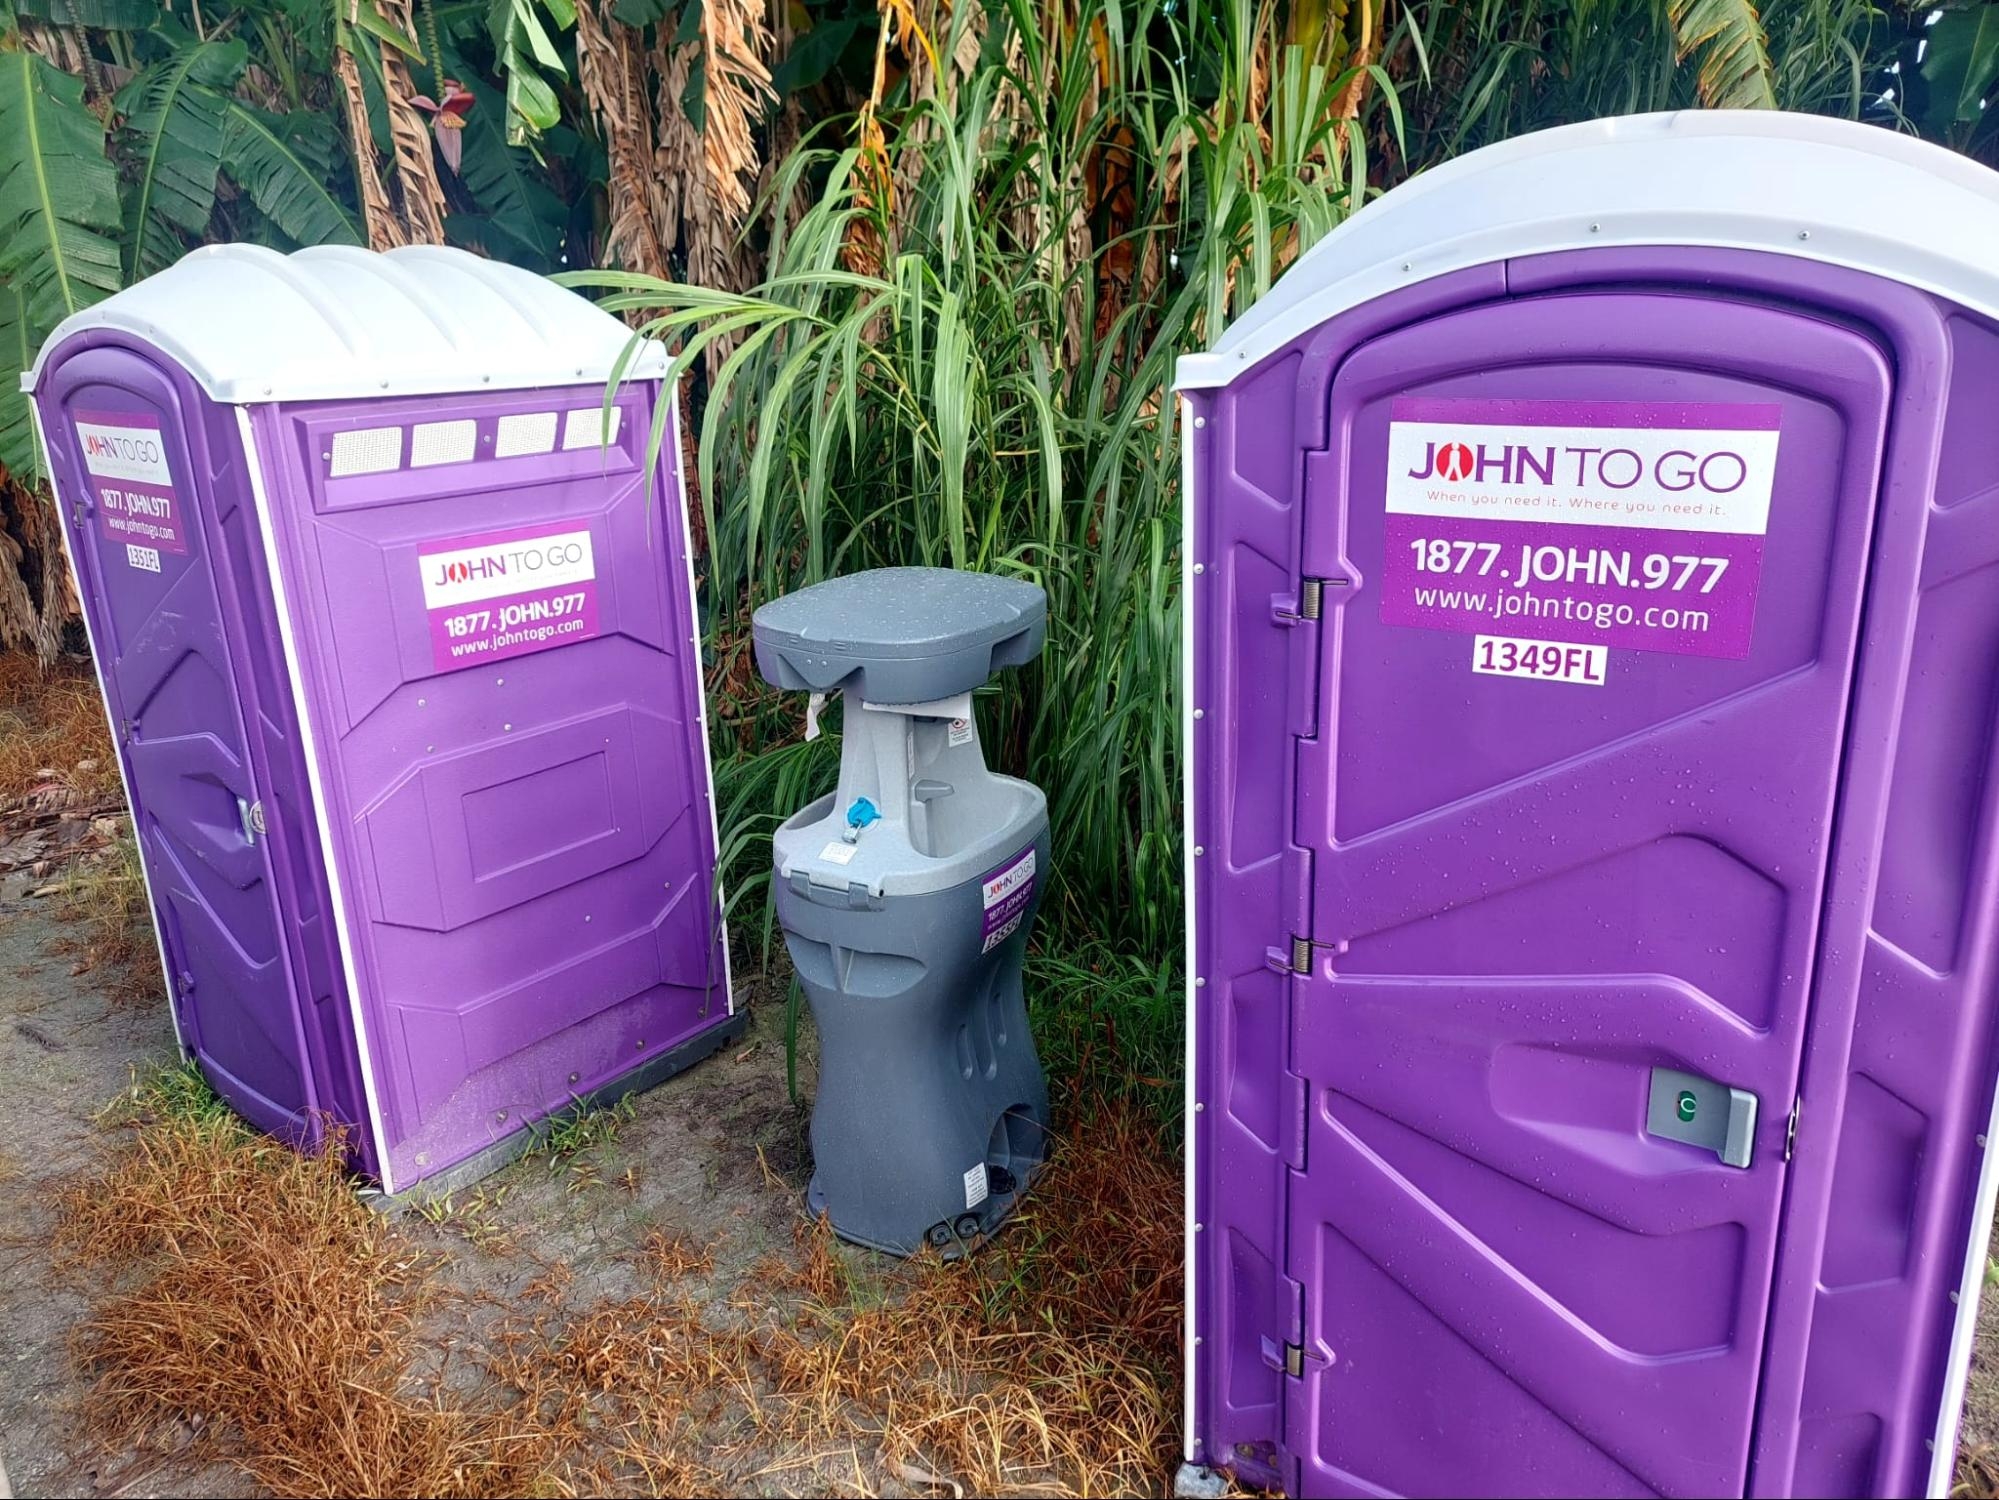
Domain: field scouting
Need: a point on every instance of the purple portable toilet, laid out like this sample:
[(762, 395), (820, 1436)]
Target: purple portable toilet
[(1593, 637), (396, 633)]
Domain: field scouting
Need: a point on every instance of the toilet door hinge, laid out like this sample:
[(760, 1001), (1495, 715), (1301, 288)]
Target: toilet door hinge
[(1791, 1130), (1308, 604), (1301, 955)]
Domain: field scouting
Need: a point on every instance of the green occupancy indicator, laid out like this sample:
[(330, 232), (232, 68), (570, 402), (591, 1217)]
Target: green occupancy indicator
[(1686, 1105)]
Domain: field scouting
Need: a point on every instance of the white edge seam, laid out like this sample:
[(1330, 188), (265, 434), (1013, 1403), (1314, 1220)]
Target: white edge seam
[(70, 555), (350, 976), (1957, 1364), (671, 393), (1190, 1148), (1214, 368)]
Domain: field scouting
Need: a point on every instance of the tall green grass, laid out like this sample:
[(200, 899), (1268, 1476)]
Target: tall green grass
[(963, 356), (963, 350)]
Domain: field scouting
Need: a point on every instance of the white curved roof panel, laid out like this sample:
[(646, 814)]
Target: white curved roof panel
[(1826, 190), (250, 324)]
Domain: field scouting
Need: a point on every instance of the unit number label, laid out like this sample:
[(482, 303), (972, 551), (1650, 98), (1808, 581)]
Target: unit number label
[(1550, 661)]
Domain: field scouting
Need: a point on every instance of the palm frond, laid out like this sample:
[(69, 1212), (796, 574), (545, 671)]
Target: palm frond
[(1735, 70), (175, 118), (58, 193), (275, 160)]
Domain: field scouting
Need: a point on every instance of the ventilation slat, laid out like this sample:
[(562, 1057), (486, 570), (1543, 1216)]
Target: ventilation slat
[(443, 443), (525, 432), (367, 450)]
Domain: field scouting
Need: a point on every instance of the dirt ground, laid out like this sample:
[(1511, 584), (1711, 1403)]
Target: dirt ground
[(710, 1156)]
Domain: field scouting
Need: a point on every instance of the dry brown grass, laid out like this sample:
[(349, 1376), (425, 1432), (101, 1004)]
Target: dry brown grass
[(254, 1301), (1977, 1473), (258, 1312), (53, 738), (1044, 1366)]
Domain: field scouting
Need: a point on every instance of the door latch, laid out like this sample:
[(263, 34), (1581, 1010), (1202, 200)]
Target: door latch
[(252, 816), (1700, 1112)]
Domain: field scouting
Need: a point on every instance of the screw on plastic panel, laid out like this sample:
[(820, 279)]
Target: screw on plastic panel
[(1804, 234), (508, 728), (1596, 229), (430, 749), (1408, 266), (575, 1077), (499, 682), (1199, 1227), (421, 701), (1200, 983), (1200, 713), (1981, 1142), (1199, 851), (639, 1045), (1199, 1107), (501, 1117), (586, 916), (1200, 421), (1953, 1294), (1199, 569)]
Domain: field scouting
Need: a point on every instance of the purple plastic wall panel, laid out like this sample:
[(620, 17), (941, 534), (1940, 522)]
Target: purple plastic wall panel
[(1251, 672), (185, 657), (1900, 1066), (498, 661), (1531, 894), (1500, 1273)]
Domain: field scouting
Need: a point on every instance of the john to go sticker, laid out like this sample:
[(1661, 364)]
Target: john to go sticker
[(1601, 523), (508, 593)]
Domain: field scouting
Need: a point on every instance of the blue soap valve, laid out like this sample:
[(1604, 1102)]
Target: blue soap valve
[(859, 815)]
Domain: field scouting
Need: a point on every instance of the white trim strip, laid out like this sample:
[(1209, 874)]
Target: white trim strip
[(1189, 1438), (350, 975), (111, 722), (1957, 1364), (665, 392), (1833, 191)]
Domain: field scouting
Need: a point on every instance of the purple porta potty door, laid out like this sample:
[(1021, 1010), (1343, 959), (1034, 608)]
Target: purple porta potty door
[(397, 633), (1593, 578)]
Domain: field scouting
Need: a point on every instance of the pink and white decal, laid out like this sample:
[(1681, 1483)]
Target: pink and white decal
[(508, 593), (137, 505), (1610, 523)]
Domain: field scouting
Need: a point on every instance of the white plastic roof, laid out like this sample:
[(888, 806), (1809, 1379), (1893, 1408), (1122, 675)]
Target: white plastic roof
[(251, 325), (1826, 190)]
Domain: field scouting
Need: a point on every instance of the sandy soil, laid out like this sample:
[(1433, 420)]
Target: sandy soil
[(709, 1155)]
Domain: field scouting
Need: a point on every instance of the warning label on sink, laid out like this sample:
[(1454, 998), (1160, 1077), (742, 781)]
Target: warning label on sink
[(508, 593), (126, 458), (1007, 892), (1611, 523)]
